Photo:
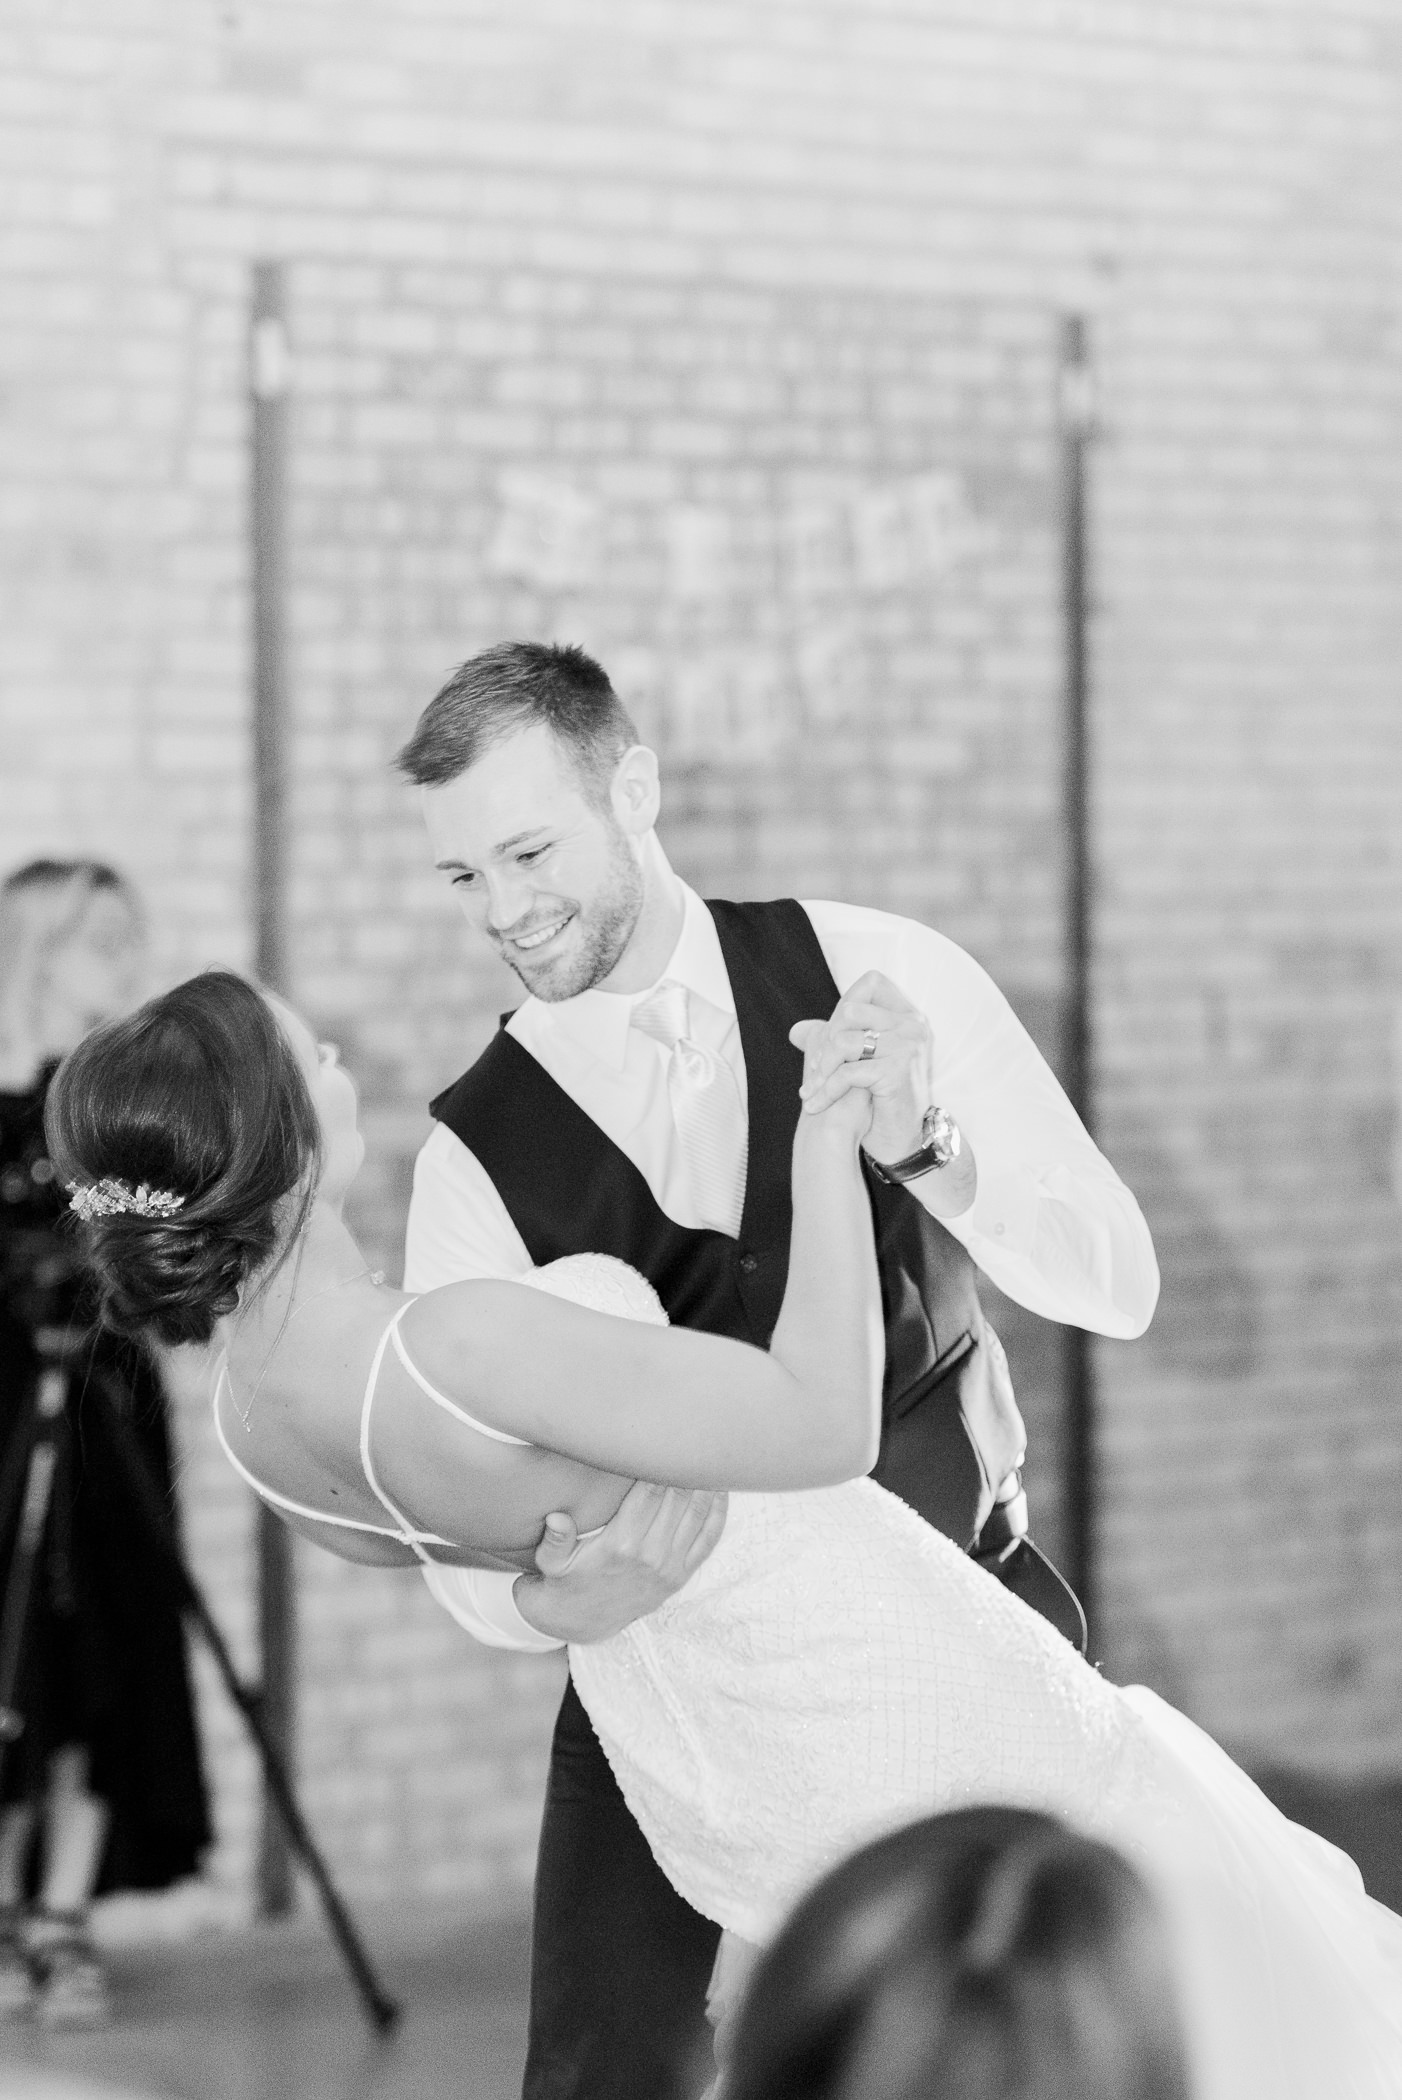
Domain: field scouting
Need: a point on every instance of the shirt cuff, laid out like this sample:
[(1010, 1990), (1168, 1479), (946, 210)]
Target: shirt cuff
[(484, 1604), (1003, 1213)]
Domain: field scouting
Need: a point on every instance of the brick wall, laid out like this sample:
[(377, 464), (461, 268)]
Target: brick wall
[(722, 340)]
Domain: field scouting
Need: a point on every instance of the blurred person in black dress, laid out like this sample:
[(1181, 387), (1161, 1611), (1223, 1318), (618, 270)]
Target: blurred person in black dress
[(103, 1789)]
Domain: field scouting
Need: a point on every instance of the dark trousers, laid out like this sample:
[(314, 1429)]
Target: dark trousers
[(620, 1963)]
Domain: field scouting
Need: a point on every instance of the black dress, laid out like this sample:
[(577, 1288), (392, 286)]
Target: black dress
[(105, 1663)]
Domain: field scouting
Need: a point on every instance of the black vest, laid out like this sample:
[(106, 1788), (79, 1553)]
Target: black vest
[(570, 1190)]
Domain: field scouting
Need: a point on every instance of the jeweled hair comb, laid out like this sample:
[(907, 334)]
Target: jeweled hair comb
[(113, 1199)]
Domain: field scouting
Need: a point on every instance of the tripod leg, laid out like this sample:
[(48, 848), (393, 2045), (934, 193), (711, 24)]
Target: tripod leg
[(381, 2010), (34, 1515)]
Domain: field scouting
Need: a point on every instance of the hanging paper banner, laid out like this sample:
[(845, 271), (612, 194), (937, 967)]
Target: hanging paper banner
[(721, 700), (547, 534), (728, 707)]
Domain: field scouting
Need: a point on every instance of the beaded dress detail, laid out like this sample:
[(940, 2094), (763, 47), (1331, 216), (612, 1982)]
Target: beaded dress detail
[(836, 1668)]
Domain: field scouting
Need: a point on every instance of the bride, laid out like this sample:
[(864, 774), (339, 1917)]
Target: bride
[(833, 1669)]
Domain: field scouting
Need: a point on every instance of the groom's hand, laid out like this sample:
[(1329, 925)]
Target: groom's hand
[(586, 1590), (898, 1075)]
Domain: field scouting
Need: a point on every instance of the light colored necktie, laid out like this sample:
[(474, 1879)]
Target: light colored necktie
[(705, 1108)]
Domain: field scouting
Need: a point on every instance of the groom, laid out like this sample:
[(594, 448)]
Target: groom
[(642, 1103)]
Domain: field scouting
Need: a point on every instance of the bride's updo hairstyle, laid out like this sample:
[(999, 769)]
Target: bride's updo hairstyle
[(197, 1095)]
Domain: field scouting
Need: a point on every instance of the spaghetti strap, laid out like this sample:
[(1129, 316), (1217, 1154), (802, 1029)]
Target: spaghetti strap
[(367, 1465), (498, 1436), (285, 1503), (401, 1528)]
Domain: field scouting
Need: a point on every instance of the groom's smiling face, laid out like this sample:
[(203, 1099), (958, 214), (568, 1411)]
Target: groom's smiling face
[(544, 868)]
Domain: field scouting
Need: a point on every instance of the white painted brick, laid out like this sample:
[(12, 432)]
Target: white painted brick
[(839, 262)]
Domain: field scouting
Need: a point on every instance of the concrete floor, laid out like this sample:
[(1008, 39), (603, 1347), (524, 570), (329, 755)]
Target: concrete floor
[(269, 2014)]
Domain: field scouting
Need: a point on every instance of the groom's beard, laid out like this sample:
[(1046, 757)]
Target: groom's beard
[(593, 942)]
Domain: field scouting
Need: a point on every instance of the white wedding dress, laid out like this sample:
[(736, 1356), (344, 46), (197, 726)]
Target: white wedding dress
[(837, 1668)]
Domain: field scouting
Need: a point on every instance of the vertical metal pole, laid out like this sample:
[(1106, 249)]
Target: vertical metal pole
[(1074, 419), (269, 378)]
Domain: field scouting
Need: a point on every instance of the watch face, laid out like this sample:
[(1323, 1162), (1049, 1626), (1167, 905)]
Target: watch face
[(940, 1135)]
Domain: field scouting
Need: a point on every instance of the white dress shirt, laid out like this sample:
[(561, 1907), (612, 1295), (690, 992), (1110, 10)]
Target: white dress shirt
[(1052, 1223)]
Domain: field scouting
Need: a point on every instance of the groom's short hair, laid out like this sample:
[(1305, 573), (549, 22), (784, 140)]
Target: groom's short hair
[(512, 687)]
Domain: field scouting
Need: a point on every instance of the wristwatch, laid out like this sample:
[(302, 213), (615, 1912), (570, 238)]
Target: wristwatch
[(940, 1142)]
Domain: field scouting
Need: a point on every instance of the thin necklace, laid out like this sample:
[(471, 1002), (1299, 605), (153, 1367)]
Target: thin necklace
[(341, 1283)]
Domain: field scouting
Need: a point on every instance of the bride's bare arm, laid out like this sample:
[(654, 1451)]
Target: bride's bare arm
[(673, 1405)]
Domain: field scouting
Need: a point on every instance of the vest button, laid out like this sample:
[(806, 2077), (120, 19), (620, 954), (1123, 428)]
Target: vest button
[(748, 1264)]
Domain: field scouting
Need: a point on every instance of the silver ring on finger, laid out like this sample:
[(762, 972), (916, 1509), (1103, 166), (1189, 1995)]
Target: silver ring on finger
[(870, 1039)]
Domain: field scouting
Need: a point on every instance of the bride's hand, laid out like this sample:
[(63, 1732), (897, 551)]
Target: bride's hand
[(851, 1111)]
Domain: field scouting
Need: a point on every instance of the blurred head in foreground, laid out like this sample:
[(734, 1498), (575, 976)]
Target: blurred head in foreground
[(985, 1954)]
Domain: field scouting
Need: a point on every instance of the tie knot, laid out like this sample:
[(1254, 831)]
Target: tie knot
[(662, 1015)]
